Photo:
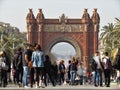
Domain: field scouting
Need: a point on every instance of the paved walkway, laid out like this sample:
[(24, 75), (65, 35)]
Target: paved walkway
[(113, 86)]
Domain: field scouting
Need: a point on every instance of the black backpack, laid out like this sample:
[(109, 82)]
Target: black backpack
[(109, 64), (93, 65)]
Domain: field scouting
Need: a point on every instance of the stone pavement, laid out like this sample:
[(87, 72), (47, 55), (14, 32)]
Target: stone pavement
[(113, 86)]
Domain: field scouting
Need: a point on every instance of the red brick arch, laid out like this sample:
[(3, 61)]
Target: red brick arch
[(81, 33)]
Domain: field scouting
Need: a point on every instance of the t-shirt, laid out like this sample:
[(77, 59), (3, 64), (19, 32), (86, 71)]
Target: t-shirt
[(97, 60), (29, 53), (80, 70), (107, 63)]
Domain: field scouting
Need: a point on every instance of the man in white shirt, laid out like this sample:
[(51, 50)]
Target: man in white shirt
[(98, 71)]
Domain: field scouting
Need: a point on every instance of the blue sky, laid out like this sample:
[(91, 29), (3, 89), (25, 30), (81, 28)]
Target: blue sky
[(15, 11)]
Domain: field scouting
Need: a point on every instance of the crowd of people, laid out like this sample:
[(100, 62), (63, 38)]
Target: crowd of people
[(32, 67)]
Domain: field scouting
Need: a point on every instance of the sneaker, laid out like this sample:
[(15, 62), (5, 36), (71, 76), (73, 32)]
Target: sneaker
[(19, 85), (107, 85), (31, 86), (26, 87), (96, 85), (42, 86), (36, 87)]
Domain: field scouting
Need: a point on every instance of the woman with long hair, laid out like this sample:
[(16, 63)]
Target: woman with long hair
[(38, 64)]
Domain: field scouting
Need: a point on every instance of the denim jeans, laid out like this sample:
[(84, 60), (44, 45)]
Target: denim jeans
[(25, 75), (73, 76), (98, 77)]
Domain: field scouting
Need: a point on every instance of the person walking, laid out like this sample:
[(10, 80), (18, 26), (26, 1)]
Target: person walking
[(73, 71), (38, 59), (62, 72), (68, 70), (48, 70), (54, 72), (3, 69), (26, 58), (107, 68), (18, 66), (80, 72), (98, 70)]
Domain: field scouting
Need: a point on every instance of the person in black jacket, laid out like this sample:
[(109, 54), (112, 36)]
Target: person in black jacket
[(68, 69), (62, 71), (17, 66), (48, 69), (54, 72)]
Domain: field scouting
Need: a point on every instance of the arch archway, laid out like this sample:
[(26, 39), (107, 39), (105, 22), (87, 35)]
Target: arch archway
[(64, 39)]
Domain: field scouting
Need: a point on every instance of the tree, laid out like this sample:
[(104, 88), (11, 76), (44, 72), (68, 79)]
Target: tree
[(9, 42), (106, 35), (110, 37)]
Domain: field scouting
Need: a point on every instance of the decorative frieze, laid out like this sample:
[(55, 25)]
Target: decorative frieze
[(63, 28)]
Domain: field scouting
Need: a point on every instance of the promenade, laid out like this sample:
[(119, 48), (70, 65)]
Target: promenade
[(113, 86)]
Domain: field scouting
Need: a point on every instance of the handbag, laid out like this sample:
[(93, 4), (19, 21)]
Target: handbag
[(4, 66), (30, 64)]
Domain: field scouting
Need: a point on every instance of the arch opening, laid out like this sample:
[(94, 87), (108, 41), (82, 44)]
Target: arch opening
[(63, 51)]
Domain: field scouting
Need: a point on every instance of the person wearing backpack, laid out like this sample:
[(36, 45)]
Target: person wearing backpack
[(107, 68), (3, 69), (93, 65), (98, 70)]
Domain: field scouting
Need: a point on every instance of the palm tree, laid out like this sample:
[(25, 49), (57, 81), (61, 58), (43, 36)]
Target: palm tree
[(106, 35), (117, 31), (110, 37), (15, 41), (10, 42), (116, 35)]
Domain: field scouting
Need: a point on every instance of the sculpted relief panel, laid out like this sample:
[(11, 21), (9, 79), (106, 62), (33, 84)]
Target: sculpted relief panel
[(63, 28)]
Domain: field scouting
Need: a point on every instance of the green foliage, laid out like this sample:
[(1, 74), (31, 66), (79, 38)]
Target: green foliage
[(9, 42), (110, 37)]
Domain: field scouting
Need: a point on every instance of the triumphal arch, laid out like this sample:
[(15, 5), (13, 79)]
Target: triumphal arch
[(81, 33)]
